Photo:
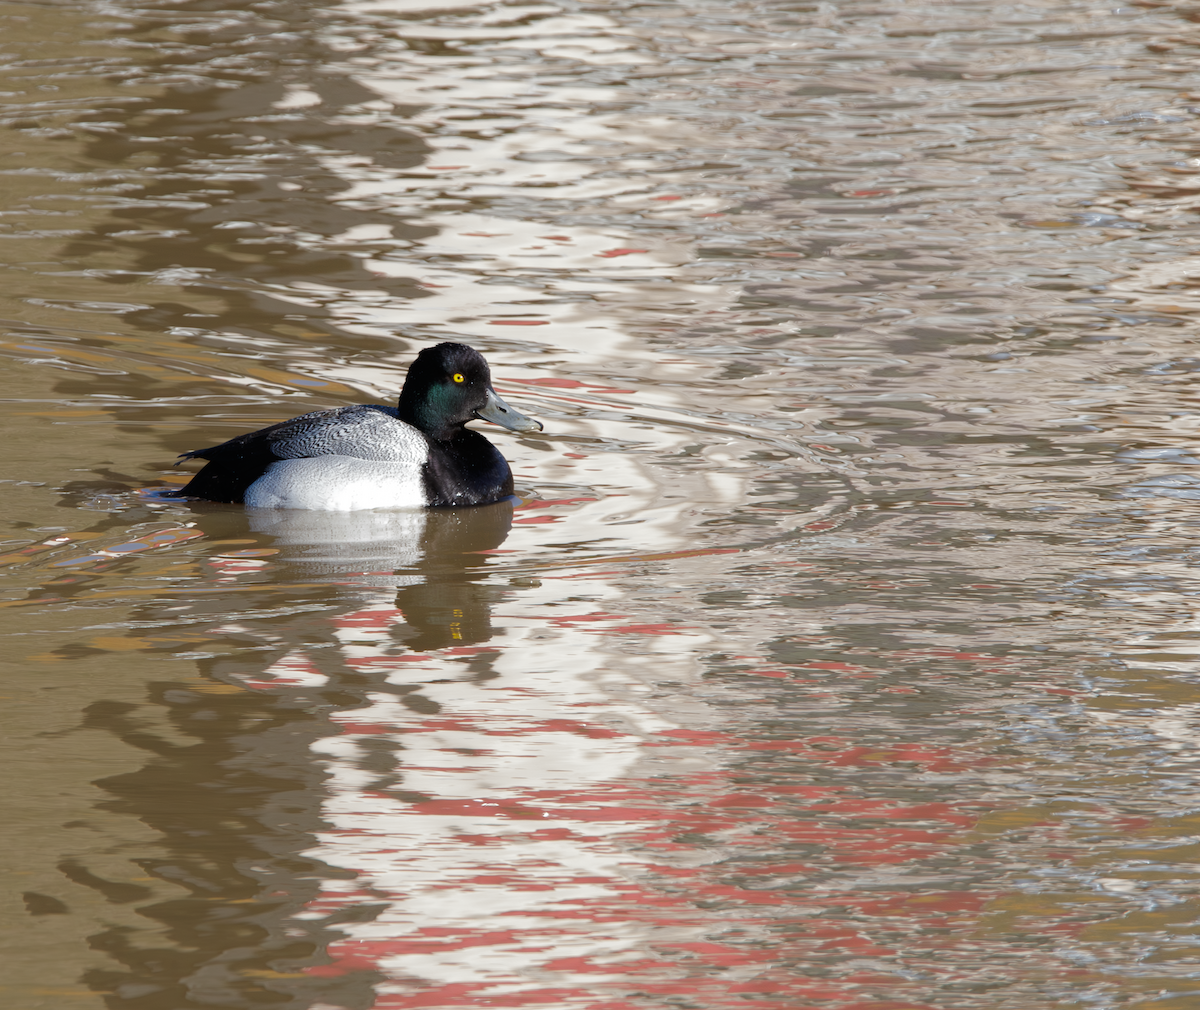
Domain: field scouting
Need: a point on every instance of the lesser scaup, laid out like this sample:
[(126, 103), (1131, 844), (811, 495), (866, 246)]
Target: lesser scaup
[(368, 456)]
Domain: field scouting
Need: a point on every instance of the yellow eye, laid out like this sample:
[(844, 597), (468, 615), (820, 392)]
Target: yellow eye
[(458, 377)]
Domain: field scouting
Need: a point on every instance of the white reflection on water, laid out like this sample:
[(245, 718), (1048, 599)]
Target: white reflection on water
[(497, 840), (451, 879)]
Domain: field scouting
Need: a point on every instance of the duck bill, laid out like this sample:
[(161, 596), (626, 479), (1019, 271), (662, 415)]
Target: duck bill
[(499, 412)]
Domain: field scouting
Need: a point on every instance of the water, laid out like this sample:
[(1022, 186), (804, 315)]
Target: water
[(842, 652)]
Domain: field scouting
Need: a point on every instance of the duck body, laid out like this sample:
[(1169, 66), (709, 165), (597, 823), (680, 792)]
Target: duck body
[(369, 456)]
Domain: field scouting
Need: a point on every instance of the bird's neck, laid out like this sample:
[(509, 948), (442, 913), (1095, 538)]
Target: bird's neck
[(428, 414)]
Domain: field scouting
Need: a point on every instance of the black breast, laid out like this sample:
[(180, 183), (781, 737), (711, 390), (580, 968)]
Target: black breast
[(466, 470)]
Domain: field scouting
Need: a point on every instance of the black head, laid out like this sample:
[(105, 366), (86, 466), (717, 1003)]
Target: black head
[(450, 384)]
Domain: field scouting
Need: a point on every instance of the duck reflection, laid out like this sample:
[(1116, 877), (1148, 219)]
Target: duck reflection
[(424, 553), (345, 543), (375, 543)]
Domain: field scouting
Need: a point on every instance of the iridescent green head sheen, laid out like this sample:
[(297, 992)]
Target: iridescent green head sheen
[(450, 384)]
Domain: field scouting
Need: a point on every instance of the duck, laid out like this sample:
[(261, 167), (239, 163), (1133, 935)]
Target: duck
[(418, 454)]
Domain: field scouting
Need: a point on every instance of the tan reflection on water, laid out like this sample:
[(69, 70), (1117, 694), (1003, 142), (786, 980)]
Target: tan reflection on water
[(841, 651)]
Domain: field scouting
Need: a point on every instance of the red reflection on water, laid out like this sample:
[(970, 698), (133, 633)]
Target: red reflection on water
[(524, 861)]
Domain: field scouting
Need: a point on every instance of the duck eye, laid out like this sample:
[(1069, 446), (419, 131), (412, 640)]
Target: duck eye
[(458, 377)]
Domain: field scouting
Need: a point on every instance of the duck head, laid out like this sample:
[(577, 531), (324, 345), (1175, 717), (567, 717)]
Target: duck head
[(450, 384)]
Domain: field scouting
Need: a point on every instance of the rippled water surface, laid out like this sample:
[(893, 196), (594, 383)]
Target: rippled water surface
[(842, 651)]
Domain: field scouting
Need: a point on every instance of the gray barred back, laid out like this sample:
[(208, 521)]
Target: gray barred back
[(363, 431)]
